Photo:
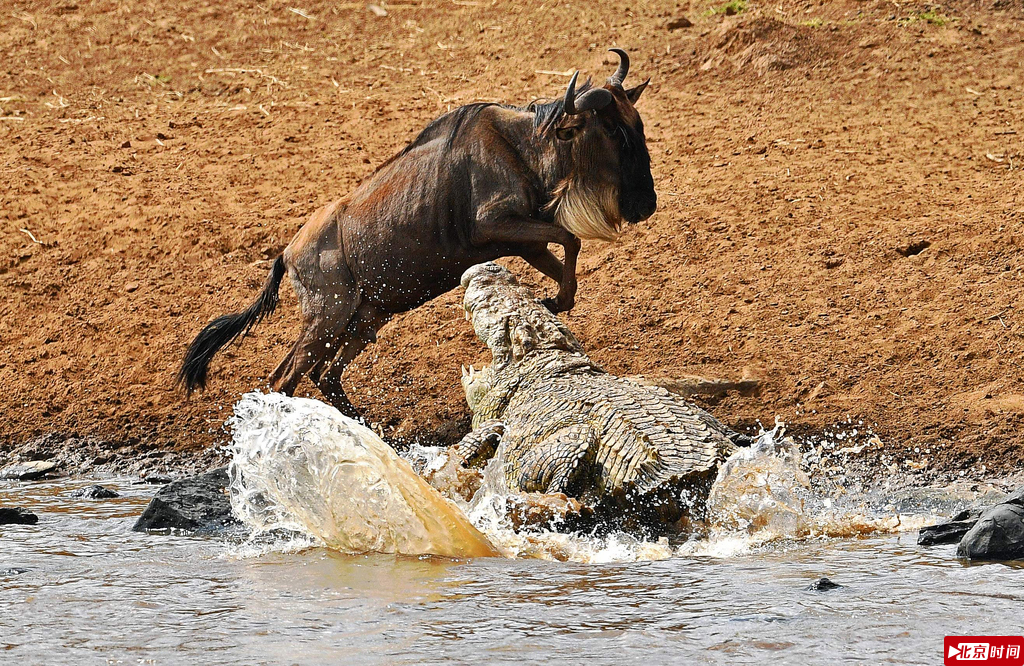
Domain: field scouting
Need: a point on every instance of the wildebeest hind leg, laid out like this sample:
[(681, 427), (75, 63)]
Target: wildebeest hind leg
[(283, 367), (329, 380), (315, 348), (360, 332)]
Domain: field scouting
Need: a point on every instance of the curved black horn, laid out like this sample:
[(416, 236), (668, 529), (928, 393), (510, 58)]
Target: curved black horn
[(569, 106), (620, 74), (595, 98)]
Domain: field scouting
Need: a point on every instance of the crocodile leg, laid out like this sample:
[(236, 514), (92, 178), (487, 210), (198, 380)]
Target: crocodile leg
[(477, 447), (553, 464)]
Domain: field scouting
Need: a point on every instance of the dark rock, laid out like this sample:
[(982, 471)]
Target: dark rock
[(27, 471), (951, 531), (157, 479), (913, 248), (13, 571), (823, 584), (998, 534), (678, 23), (17, 516), (95, 492), (195, 504)]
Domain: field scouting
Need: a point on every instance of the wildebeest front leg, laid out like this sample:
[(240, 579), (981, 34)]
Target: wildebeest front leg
[(544, 261), (566, 298), (548, 264), (524, 231)]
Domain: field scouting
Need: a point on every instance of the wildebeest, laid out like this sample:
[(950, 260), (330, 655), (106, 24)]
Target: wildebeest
[(481, 182)]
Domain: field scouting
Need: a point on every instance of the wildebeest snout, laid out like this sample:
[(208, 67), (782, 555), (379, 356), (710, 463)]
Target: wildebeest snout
[(640, 208)]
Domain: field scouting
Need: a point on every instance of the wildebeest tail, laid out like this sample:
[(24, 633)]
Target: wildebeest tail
[(226, 328)]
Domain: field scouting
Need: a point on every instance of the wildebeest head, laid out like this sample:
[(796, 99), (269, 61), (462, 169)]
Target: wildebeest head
[(599, 136)]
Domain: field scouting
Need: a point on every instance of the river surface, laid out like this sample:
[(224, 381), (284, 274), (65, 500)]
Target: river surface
[(96, 593)]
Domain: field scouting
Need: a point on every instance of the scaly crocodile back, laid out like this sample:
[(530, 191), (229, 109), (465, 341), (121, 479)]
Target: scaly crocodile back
[(645, 435)]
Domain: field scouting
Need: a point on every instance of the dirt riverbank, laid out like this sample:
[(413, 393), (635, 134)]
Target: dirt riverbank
[(841, 209)]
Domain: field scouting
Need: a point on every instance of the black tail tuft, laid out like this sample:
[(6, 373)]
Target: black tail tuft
[(226, 328)]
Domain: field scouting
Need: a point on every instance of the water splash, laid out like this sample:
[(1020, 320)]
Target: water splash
[(761, 488), (299, 465), (762, 495)]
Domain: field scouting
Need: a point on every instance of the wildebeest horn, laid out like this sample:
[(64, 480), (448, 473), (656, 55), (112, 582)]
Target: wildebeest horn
[(620, 74), (596, 98), (570, 96)]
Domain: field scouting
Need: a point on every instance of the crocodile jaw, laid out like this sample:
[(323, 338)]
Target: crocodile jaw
[(488, 307), (476, 384)]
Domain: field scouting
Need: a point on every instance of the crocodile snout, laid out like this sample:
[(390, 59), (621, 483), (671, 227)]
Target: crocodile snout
[(489, 269), (480, 282)]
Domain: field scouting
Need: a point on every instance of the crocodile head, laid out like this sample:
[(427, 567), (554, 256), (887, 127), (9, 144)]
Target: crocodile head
[(509, 319)]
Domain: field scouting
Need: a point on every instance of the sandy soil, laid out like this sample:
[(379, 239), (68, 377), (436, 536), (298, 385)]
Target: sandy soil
[(841, 208)]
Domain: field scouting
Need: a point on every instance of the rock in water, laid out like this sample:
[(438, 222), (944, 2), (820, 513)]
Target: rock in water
[(17, 516), (300, 465), (999, 533), (95, 492), (951, 531), (27, 471), (823, 584), (196, 504)]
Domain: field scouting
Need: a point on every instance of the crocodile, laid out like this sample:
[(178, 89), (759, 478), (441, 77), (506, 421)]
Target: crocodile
[(565, 425)]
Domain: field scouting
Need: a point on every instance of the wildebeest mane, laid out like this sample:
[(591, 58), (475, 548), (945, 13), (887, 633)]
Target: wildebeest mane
[(448, 126), (546, 113)]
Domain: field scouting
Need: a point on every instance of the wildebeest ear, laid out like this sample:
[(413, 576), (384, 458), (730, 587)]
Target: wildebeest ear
[(634, 93)]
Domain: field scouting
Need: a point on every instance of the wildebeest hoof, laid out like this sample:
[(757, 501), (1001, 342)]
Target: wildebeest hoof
[(555, 307)]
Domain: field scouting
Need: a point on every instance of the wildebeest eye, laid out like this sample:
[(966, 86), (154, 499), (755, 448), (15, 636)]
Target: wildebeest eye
[(566, 133)]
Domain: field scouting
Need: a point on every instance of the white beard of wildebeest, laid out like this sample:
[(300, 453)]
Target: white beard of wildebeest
[(586, 210)]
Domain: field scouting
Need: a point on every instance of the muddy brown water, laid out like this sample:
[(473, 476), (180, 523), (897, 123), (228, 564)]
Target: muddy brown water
[(95, 592)]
